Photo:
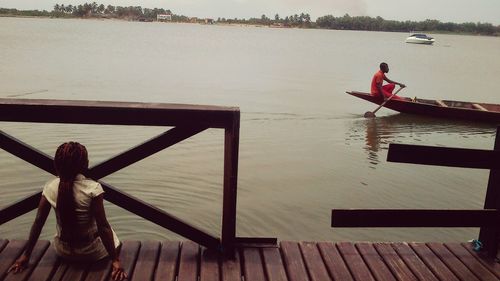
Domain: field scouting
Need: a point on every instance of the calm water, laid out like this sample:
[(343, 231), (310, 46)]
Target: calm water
[(305, 146)]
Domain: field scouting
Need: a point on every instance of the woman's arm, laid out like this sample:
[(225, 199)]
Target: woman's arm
[(103, 226), (36, 228), (106, 235)]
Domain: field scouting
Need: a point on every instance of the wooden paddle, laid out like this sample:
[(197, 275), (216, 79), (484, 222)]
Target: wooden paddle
[(370, 114)]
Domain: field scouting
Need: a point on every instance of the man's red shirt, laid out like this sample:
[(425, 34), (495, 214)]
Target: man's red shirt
[(377, 78)]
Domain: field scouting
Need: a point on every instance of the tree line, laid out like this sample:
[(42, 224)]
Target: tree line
[(296, 20), (379, 24), (100, 10), (24, 13), (302, 20)]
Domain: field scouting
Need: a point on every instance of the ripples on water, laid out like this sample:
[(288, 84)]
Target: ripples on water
[(416, 186), (378, 133)]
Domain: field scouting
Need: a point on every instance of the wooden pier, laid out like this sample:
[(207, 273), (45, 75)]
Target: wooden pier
[(290, 261)]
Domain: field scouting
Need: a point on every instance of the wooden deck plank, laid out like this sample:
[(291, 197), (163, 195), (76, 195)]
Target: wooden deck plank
[(314, 262), (394, 262), (76, 271), (146, 261), (375, 262), (9, 255), (188, 261), (167, 263), (99, 271), (209, 265), (470, 262), (128, 256), (294, 264), (47, 266), (416, 265), (334, 262), (60, 271), (433, 262), (253, 267), (354, 261), (36, 255), (484, 259), (453, 263), (302, 261), (3, 243), (273, 264), (231, 269)]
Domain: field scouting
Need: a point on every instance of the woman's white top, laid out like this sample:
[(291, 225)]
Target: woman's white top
[(84, 190)]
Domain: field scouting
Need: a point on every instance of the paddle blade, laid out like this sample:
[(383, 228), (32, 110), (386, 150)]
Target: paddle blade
[(369, 114)]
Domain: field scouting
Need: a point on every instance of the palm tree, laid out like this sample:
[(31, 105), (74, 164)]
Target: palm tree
[(94, 7), (100, 9), (307, 18), (87, 9), (56, 8), (110, 9)]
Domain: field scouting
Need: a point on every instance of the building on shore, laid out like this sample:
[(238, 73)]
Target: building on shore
[(163, 17)]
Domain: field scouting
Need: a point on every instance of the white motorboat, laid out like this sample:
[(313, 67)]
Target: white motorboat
[(420, 38)]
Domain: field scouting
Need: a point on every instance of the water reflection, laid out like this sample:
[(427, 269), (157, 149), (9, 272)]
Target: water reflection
[(375, 134), (372, 140)]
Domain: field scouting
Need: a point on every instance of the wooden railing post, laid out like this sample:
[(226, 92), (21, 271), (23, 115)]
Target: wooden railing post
[(231, 147), (489, 236)]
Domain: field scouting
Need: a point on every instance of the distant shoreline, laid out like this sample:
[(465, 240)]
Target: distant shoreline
[(326, 23), (21, 16), (235, 24)]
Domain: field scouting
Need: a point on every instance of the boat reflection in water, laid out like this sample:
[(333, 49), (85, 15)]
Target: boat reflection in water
[(414, 129)]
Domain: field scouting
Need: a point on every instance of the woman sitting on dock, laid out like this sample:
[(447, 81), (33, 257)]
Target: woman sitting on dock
[(83, 232)]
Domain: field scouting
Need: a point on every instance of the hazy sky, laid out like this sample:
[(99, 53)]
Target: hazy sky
[(443, 10)]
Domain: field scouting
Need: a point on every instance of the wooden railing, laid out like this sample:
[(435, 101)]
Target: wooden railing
[(488, 219), (187, 120)]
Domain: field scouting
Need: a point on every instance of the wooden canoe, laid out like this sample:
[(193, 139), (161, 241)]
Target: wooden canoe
[(472, 111)]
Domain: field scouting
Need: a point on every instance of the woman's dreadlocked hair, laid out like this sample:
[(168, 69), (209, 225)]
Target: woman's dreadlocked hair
[(71, 159)]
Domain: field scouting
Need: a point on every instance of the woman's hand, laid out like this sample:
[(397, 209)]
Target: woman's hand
[(118, 273), (19, 265)]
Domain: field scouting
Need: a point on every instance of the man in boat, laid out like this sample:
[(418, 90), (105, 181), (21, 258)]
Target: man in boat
[(385, 91)]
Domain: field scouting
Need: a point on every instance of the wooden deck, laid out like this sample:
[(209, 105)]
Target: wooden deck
[(293, 261)]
